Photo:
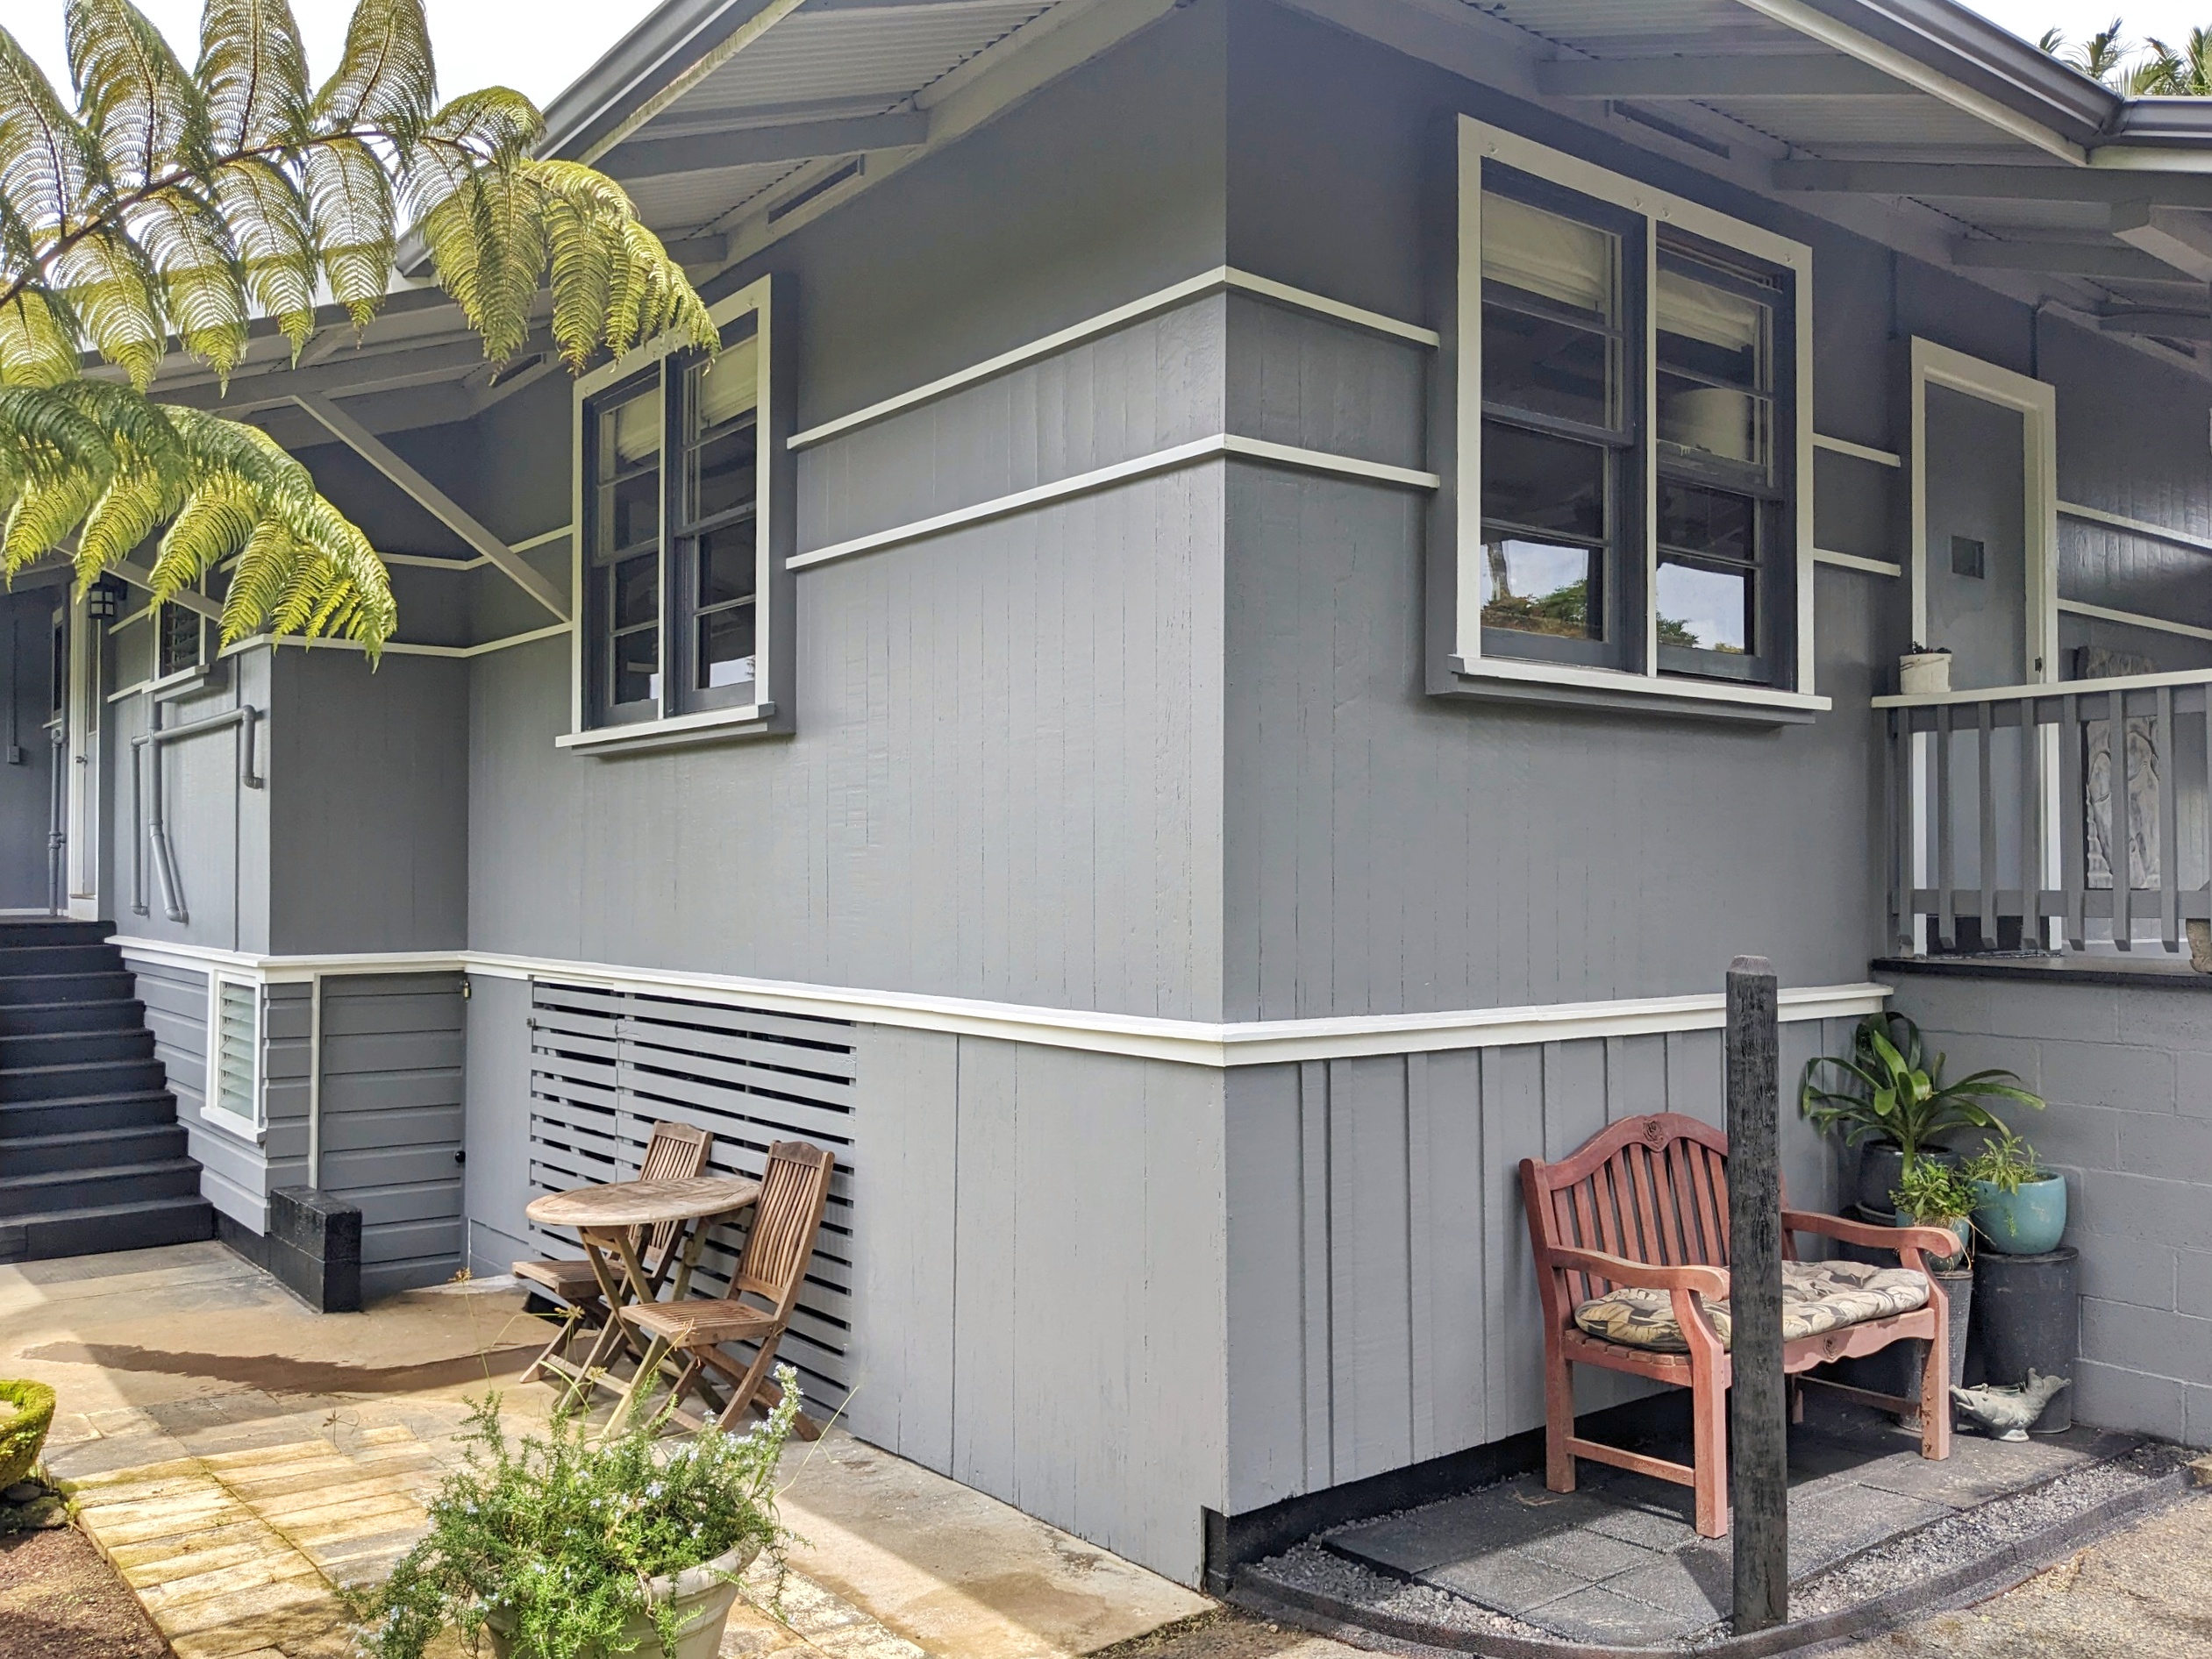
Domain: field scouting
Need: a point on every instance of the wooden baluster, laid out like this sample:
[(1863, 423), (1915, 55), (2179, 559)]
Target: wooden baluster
[(1986, 827), (1892, 806), (1946, 928), (2074, 810), (2117, 852), (2169, 839), (2207, 799), (1911, 783)]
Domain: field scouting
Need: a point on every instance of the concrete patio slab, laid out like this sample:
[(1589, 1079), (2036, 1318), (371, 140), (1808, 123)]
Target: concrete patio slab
[(238, 1456)]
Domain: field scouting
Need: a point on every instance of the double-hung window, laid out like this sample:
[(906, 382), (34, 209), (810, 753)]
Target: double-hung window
[(1632, 439), (676, 566)]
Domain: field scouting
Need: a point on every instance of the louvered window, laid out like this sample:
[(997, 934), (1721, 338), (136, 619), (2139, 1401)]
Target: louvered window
[(234, 1043)]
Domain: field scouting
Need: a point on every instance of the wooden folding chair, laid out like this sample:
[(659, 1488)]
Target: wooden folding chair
[(794, 1187), (673, 1152)]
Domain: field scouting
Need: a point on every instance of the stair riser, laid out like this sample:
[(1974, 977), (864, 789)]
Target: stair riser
[(146, 1143), (49, 1020), (122, 1112), (110, 1076), (49, 987), (61, 958), (28, 1239), (18, 932), (99, 1187), (75, 1048)]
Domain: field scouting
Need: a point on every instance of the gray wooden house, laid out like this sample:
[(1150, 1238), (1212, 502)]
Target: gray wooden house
[(1260, 596)]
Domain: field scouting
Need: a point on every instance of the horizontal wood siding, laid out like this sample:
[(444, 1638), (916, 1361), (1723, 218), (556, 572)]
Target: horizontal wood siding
[(391, 1131), (606, 1065), (1382, 1307)]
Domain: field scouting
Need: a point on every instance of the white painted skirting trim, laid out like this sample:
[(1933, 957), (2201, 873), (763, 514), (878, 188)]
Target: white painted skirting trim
[(1164, 461), (393, 647), (1189, 1042), (1221, 279)]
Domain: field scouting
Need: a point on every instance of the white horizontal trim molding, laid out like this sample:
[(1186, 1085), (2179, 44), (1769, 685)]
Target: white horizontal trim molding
[(1218, 446), (1187, 1042), (1660, 688), (1857, 451), (707, 726), (396, 648), (2134, 526), (2044, 691), (1856, 561), (2133, 619), (1221, 279)]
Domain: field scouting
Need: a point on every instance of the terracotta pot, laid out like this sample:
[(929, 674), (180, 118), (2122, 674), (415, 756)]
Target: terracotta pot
[(703, 1595)]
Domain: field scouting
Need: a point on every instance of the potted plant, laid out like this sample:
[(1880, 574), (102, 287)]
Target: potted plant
[(1890, 1098), (26, 1411), (1933, 1193), (2021, 1207), (1924, 671), (565, 1547)]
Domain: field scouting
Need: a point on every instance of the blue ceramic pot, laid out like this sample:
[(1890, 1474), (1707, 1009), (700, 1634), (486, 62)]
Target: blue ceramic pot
[(2028, 1222)]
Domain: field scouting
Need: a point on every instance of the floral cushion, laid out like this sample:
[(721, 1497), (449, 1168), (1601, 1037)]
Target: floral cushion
[(1816, 1296)]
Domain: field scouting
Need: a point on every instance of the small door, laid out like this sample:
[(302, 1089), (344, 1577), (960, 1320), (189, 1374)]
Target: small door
[(1977, 569)]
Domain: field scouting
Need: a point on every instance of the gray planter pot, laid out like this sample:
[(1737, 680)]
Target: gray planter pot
[(1959, 1287), (703, 1595)]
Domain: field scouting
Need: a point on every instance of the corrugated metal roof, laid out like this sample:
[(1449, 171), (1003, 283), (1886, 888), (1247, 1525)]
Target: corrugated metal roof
[(1642, 28), (681, 202)]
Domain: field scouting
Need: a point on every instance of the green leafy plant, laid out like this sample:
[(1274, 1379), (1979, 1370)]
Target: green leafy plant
[(26, 1411), (558, 1535), (1887, 1089), (188, 204), (1932, 1193), (2007, 1163)]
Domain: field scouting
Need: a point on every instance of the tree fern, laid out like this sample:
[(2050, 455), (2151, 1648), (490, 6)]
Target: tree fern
[(168, 208)]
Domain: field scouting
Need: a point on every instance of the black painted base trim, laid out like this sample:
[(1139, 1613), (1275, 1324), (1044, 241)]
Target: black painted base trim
[(315, 1248), (241, 1240), (1233, 1541)]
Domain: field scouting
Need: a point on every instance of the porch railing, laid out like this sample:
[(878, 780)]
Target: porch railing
[(2079, 807)]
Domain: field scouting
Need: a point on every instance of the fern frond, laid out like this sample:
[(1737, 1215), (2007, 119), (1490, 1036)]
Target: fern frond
[(46, 159), (115, 293), (252, 71), (203, 287), (270, 559), (38, 341), (213, 524), (268, 221), (145, 112), (349, 203), (387, 78)]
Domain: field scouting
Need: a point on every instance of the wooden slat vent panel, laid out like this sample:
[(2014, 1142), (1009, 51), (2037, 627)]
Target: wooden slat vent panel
[(606, 1065)]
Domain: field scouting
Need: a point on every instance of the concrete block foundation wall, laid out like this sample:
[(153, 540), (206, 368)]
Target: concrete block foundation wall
[(2125, 1058)]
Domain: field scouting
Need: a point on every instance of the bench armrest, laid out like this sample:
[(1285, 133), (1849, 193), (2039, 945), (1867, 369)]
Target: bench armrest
[(1931, 1241), (1705, 1281)]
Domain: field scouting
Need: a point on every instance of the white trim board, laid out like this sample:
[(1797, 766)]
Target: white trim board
[(1222, 278), (2132, 619), (1187, 1042), (1857, 451), (1856, 561), (1219, 446), (2134, 526)]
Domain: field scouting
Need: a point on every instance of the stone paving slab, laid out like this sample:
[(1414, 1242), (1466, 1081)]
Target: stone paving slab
[(1618, 1561)]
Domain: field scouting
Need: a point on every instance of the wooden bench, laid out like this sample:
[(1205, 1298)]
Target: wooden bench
[(1644, 1206)]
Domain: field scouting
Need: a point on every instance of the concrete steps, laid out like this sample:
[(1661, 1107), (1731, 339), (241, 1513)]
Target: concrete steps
[(92, 1158)]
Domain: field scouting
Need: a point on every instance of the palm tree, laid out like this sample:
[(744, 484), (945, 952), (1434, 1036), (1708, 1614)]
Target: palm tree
[(180, 205), (2103, 56), (2183, 73)]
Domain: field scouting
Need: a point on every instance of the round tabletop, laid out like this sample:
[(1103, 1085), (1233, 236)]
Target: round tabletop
[(644, 1203)]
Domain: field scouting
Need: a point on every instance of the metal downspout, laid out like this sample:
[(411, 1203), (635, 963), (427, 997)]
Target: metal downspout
[(315, 1079)]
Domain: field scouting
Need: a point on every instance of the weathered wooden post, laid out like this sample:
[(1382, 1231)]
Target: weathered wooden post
[(1759, 1409)]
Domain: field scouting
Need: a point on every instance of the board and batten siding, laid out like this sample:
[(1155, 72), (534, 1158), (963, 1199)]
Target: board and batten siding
[(391, 1117), (1382, 1303)]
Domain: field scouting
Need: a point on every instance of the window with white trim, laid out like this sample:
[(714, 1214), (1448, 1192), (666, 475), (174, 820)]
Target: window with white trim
[(1633, 499), (234, 1093), (674, 560)]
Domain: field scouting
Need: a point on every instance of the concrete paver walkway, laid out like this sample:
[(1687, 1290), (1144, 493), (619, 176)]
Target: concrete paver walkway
[(238, 1457)]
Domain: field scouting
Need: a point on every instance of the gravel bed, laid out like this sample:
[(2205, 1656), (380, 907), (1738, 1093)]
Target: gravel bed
[(1310, 1566), (1976, 1535)]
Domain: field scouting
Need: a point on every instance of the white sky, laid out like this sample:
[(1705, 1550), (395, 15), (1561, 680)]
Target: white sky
[(536, 46), (539, 46)]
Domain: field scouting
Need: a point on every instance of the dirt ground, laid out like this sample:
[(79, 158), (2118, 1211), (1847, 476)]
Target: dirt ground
[(59, 1600)]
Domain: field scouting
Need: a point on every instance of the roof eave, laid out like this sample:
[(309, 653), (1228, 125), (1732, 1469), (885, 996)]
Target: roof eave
[(673, 38)]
